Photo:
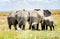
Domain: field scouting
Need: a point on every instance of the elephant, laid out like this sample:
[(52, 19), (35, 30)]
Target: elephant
[(12, 20), (33, 20), (35, 17), (22, 18), (47, 20)]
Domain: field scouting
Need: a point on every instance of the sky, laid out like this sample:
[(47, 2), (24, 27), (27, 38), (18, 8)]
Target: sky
[(9, 5)]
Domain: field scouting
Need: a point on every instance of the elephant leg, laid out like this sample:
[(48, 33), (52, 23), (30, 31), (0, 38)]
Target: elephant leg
[(20, 25), (50, 27), (33, 27), (42, 26), (15, 27), (23, 27), (30, 26), (46, 27), (9, 26), (53, 27), (37, 27)]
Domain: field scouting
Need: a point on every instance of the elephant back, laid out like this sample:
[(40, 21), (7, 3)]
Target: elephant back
[(40, 15), (12, 14), (33, 17)]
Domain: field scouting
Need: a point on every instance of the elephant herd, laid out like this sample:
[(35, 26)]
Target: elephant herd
[(34, 17)]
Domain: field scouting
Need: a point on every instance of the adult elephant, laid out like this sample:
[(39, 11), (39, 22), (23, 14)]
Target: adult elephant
[(22, 18), (35, 17), (12, 20), (47, 21)]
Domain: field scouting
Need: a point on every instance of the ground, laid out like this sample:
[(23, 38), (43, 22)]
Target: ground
[(5, 33)]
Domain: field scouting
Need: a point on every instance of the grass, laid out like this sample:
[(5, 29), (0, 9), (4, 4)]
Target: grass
[(3, 13), (5, 33), (10, 34)]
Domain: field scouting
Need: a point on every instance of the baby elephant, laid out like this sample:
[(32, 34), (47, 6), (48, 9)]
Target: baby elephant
[(47, 22)]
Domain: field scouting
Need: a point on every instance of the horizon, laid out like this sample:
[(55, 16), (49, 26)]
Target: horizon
[(32, 9)]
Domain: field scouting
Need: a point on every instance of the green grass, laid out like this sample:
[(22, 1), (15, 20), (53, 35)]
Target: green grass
[(5, 33)]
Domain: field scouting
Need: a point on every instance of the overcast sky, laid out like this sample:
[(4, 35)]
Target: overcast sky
[(8, 5)]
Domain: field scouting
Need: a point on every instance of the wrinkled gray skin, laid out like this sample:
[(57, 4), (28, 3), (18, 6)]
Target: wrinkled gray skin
[(12, 20), (35, 18), (22, 18), (47, 21)]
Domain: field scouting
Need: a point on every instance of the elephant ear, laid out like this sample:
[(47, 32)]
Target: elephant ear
[(47, 13)]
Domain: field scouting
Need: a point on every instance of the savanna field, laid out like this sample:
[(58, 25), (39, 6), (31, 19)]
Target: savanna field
[(5, 33)]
